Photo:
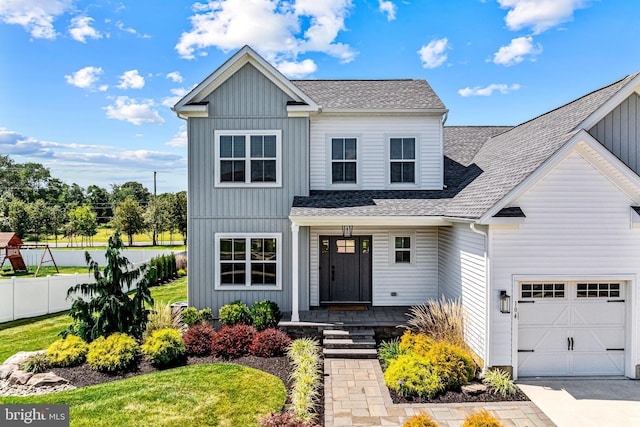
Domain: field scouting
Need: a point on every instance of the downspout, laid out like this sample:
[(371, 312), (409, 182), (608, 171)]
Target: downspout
[(487, 270)]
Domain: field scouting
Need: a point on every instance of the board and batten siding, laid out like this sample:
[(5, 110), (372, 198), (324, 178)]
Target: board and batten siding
[(577, 223), (619, 131), (462, 275), (373, 133), (413, 283), (246, 101)]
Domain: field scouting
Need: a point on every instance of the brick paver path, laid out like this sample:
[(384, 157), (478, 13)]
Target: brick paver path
[(355, 395)]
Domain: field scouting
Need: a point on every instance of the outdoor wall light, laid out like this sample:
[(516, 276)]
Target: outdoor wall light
[(505, 302), (347, 230)]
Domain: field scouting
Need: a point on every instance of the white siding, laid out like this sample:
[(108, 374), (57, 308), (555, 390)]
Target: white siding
[(373, 133), (462, 274), (577, 224), (413, 283)]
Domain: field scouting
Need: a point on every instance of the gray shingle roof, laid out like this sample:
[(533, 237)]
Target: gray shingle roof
[(371, 94), (462, 143), (510, 157)]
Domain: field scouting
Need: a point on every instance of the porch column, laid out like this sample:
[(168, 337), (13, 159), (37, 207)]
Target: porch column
[(295, 230)]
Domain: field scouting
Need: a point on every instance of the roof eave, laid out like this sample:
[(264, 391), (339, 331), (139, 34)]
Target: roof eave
[(368, 220), (422, 111)]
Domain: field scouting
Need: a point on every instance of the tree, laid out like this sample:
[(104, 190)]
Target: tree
[(131, 189), (98, 199), (103, 308), (82, 222), (129, 218), (156, 216), (39, 218), (56, 220), (179, 217), (18, 217)]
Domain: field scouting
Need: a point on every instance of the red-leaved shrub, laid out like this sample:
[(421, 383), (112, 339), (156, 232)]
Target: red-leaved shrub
[(197, 340), (232, 341), (269, 343)]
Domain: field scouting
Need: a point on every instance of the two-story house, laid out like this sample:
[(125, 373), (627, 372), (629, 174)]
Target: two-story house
[(313, 193)]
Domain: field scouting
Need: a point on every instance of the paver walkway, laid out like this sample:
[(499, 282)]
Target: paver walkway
[(355, 395)]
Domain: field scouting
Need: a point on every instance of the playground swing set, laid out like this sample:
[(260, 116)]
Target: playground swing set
[(10, 246)]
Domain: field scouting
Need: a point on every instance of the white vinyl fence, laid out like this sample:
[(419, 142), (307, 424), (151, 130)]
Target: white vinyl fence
[(75, 257), (22, 298)]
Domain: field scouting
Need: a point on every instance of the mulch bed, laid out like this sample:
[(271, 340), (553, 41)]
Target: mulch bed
[(459, 397)]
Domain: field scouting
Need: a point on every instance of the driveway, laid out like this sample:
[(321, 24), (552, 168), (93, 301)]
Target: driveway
[(586, 402)]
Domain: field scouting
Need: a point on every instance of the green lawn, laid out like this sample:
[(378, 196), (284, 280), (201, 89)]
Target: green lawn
[(104, 234), (197, 395), (37, 333)]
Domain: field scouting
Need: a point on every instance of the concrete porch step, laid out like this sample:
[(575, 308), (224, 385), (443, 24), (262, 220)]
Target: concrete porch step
[(349, 343), (347, 333), (350, 353)]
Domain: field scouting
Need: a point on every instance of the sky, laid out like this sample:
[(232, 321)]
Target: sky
[(87, 86)]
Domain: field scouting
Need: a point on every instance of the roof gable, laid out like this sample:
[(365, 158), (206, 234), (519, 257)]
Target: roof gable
[(230, 67)]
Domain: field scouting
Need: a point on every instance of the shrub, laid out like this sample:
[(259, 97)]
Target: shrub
[(441, 320), (269, 343), (37, 364), (452, 364), (235, 312), (181, 273), (160, 318), (116, 353), (197, 340), (420, 420), (481, 419), (500, 382), (232, 341), (204, 316), (164, 347), (388, 351), (412, 374), (265, 314), (190, 316), (306, 375), (283, 419), (415, 343), (67, 352)]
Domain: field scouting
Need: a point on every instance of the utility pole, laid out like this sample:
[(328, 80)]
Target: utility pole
[(154, 184), (155, 236)]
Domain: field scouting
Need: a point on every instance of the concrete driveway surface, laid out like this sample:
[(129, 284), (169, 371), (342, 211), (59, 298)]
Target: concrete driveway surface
[(585, 402)]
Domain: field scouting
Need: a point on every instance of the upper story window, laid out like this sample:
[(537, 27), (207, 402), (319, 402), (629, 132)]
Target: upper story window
[(402, 158), (344, 160), (248, 158)]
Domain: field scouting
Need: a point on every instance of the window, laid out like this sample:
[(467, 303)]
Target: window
[(343, 160), (542, 290), (402, 157), (248, 158), (402, 249), (598, 290), (248, 261), (346, 246)]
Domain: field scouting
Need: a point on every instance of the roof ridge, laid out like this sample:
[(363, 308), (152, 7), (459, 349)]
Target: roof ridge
[(356, 80)]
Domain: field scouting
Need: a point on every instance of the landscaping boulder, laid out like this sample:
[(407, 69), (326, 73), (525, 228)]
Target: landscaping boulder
[(48, 379), (21, 357), (19, 377), (474, 389), (6, 371)]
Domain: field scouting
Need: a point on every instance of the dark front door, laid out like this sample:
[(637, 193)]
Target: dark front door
[(345, 269)]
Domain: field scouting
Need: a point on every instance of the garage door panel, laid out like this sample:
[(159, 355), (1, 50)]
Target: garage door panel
[(544, 314), (577, 331)]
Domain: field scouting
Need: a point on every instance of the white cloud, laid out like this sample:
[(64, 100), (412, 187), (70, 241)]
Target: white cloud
[(14, 143), (35, 16), (488, 90), (81, 28), (539, 15), (515, 52), (133, 111), (131, 80), (296, 70), (85, 78), (175, 76), (273, 27), (434, 54), (177, 95), (131, 30), (179, 139), (388, 8)]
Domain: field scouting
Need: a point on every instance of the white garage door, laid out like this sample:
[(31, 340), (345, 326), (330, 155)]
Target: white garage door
[(571, 328)]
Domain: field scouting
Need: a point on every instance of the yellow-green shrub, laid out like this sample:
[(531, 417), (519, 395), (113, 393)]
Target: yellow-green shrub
[(116, 353), (412, 374), (481, 419), (420, 420), (451, 363), (67, 352), (415, 343), (164, 347)]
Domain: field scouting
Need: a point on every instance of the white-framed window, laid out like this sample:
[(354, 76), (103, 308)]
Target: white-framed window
[(248, 158), (402, 160), (402, 248), (248, 261), (344, 160)]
